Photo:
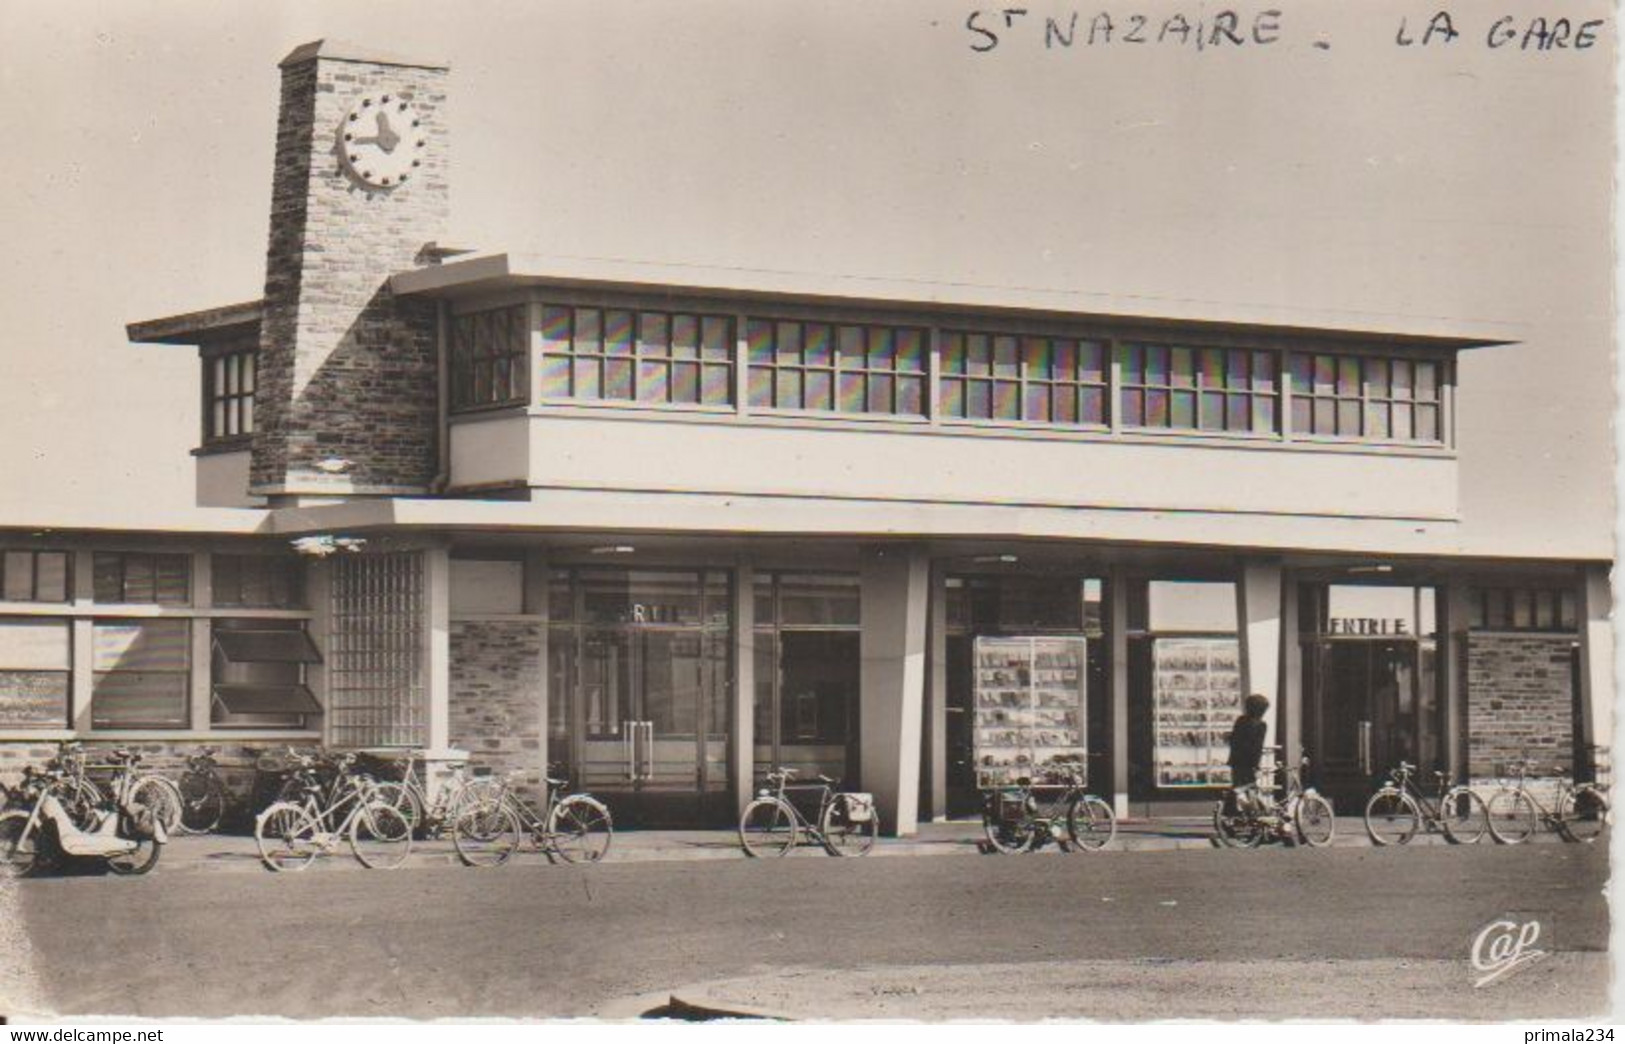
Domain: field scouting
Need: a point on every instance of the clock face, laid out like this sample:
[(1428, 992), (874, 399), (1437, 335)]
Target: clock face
[(381, 140)]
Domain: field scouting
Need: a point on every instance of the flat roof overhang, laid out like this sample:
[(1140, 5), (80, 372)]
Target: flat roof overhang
[(497, 273), (195, 327)]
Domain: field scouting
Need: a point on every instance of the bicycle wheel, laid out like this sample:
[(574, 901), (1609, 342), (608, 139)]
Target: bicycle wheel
[(1090, 824), (1009, 836), (486, 834), (1463, 816), (1583, 814), (845, 835), (579, 829), (1237, 831), (380, 836), (1314, 820), (404, 800), (83, 799), (285, 834), (768, 828), (140, 859), (1512, 817), (1391, 817), (163, 797), (18, 857), (203, 803)]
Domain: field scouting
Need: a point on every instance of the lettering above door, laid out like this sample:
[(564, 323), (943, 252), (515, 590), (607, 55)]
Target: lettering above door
[(1368, 626)]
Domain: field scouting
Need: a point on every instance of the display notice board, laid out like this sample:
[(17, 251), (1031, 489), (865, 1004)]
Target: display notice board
[(1197, 687), (1030, 707)]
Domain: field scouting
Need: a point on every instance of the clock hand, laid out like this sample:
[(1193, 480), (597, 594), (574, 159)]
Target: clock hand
[(386, 138)]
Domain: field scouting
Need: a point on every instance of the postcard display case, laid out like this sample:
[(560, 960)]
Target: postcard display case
[(1030, 709), (1197, 688)]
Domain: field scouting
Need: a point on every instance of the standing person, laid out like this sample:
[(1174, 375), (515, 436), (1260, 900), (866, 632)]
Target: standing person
[(1247, 745)]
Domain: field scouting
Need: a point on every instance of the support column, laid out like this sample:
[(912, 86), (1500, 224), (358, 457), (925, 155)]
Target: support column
[(1452, 640), (936, 694), (894, 584), (1117, 634), (742, 736), (437, 644), (535, 604), (1258, 611), (1291, 680), (83, 650), (1597, 663), (202, 656)]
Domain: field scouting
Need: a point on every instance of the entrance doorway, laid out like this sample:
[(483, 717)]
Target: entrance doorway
[(1372, 700), (808, 672), (645, 671)]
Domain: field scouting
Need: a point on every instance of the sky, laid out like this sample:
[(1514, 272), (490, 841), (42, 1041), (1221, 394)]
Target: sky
[(1334, 170)]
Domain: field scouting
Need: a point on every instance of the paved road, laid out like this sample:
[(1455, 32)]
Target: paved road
[(540, 940)]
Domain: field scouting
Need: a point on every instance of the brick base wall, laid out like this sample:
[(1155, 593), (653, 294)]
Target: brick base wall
[(162, 757), (495, 710), (1520, 702)]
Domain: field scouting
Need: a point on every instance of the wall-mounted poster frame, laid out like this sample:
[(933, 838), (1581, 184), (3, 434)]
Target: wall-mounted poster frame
[(1031, 707), (1196, 683)]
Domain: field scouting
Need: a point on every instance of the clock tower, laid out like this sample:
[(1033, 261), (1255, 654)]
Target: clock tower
[(346, 403)]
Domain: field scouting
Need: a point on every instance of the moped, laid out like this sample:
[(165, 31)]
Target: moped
[(127, 835)]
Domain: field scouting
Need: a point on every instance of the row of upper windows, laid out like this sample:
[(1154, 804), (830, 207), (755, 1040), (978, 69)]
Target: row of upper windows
[(143, 578), (676, 358)]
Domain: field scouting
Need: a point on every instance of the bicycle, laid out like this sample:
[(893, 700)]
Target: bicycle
[(430, 818), (290, 834), (771, 824), (40, 831), (1399, 808), (496, 818), (203, 793), (1024, 816), (1299, 814), (1580, 816)]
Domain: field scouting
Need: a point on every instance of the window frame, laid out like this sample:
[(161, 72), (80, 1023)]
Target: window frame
[(711, 355), (124, 577), (189, 626), (1200, 388), (291, 567), (1023, 380), (1365, 401), (474, 345), (34, 575), (223, 354), (879, 339)]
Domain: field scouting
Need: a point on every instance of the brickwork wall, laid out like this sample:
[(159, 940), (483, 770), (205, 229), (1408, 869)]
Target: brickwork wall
[(1520, 702), (346, 372), (495, 712), (163, 757)]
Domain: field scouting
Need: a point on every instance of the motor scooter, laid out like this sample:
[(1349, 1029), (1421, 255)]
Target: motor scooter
[(39, 831)]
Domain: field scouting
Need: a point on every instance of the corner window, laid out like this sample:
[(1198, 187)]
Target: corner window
[(1366, 397), (229, 378), (257, 674), (35, 668), (836, 368), (34, 576), (142, 674), (1041, 380), (620, 355), (140, 578), (258, 581), (490, 358)]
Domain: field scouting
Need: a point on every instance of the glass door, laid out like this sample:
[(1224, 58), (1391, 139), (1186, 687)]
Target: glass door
[(1372, 705)]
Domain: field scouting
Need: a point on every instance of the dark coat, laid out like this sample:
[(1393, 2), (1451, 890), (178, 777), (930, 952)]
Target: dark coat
[(1246, 749)]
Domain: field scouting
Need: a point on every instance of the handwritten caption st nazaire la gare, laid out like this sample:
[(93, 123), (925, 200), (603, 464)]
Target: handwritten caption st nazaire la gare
[(990, 27)]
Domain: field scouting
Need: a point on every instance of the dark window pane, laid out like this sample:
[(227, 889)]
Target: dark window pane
[(140, 579), (850, 346), (1092, 406), (880, 392), (108, 577), (685, 382), (819, 393), (1427, 381), (1264, 371), (19, 576), (617, 378), (953, 353), (1156, 364), (587, 378), (1427, 424), (882, 349), (1036, 408), (980, 404), (979, 354), (588, 322), (716, 345), (1156, 409), (1064, 360), (1402, 422), (787, 344), (1263, 414), (1212, 411), (1131, 363), (555, 376), (1064, 409), (788, 390), (1348, 377), (818, 344), (1402, 379), (758, 386), (1302, 420), (1006, 360), (1182, 368), (953, 398), (759, 346), (1376, 421), (1348, 416), (849, 392), (1035, 358), (1325, 416), (1184, 410), (1006, 400), (1134, 408), (1237, 416), (1325, 374), (51, 576), (911, 395), (173, 586), (1092, 362), (1210, 367), (653, 334), (911, 350), (654, 380)]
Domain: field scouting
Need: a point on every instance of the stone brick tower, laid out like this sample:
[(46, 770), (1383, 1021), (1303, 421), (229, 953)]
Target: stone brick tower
[(346, 401)]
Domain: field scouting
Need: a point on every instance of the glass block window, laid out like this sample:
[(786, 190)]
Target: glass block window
[(258, 581), (617, 354), (1366, 397), (1040, 380), (129, 577), (34, 576), (490, 358), (142, 674), (228, 392), (1233, 390), (836, 368), (376, 688)]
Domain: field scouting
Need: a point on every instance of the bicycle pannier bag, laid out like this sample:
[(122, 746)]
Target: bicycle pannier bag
[(860, 808)]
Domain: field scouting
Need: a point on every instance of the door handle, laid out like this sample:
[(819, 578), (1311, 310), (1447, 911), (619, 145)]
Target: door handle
[(629, 749), (648, 762), (1365, 747)]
